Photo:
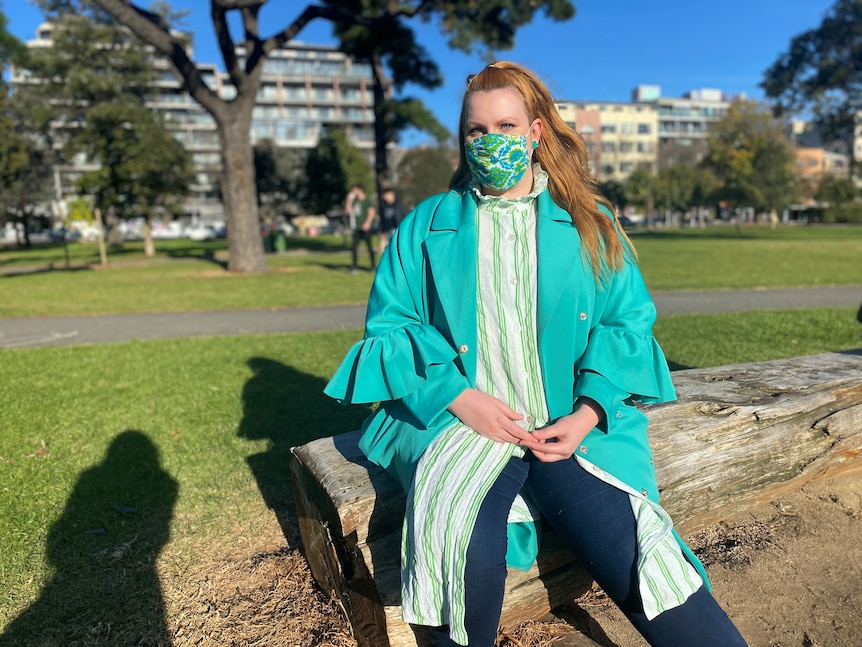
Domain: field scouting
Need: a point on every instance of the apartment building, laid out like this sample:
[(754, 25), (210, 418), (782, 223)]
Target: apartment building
[(651, 132), (622, 136), (683, 122), (304, 89)]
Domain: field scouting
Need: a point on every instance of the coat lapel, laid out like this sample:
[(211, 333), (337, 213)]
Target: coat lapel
[(558, 249), (452, 251)]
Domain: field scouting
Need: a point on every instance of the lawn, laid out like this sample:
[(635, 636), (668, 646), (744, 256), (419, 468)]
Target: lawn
[(192, 276), (144, 487)]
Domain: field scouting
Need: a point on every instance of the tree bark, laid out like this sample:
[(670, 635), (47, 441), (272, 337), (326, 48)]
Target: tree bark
[(245, 243), (737, 435)]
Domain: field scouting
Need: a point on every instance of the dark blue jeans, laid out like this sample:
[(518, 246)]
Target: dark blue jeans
[(596, 522)]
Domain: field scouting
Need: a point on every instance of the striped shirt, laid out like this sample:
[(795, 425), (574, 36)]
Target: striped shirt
[(458, 469)]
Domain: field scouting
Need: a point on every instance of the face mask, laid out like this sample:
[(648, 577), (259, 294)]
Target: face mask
[(498, 161)]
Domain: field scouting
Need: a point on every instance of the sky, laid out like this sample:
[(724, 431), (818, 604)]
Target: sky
[(603, 53)]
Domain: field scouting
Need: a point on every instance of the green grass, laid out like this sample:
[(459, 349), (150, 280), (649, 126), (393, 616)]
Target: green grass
[(121, 464), (190, 284), (753, 257), (190, 437), (191, 276)]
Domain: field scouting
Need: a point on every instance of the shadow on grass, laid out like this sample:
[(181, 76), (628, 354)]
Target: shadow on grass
[(103, 549), (198, 254), (287, 407)]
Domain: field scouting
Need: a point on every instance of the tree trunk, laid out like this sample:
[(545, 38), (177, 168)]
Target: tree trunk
[(100, 227), (245, 245), (149, 247), (381, 132)]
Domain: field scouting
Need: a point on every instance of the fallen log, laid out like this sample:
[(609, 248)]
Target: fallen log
[(737, 435)]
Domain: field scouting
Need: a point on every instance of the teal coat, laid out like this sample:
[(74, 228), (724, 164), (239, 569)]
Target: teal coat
[(419, 349)]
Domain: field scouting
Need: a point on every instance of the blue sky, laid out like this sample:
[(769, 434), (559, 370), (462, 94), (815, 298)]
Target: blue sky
[(608, 48)]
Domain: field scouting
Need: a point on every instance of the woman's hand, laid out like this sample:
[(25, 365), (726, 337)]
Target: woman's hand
[(488, 416), (559, 441)]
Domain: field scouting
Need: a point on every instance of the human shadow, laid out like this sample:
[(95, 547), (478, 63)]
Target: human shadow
[(105, 589), (287, 408)]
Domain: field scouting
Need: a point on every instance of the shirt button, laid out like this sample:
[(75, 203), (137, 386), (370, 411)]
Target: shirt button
[(463, 348), (596, 468), (511, 238), (517, 327), (582, 449), (582, 316), (530, 420)]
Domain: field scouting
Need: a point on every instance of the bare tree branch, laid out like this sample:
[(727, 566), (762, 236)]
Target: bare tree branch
[(226, 44), (152, 29)]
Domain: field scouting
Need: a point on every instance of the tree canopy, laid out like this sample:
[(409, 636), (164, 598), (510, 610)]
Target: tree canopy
[(752, 159), (94, 81), (370, 30), (822, 70)]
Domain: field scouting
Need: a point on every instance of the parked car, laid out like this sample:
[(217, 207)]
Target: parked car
[(201, 232)]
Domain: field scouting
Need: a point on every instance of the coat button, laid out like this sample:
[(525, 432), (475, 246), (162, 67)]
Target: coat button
[(582, 316), (463, 348), (619, 414), (644, 492), (582, 449)]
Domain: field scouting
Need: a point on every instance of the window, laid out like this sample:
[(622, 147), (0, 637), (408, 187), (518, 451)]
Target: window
[(609, 147), (627, 128), (609, 128), (644, 129), (587, 130), (626, 167), (644, 147), (626, 147)]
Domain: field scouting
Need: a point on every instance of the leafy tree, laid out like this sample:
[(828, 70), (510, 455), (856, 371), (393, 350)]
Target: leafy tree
[(23, 167), (685, 188), (368, 29), (25, 178), (840, 198), (278, 173), (11, 49), (752, 159), (640, 191), (615, 193), (332, 167), (821, 70), (93, 80), (143, 171), (424, 171)]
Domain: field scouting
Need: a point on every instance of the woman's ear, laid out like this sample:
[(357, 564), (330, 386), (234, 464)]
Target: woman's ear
[(535, 134)]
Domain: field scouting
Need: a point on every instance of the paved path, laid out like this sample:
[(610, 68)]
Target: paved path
[(63, 331)]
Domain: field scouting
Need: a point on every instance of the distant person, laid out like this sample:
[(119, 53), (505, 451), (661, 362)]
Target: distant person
[(859, 315), (361, 215), (508, 341), (391, 215)]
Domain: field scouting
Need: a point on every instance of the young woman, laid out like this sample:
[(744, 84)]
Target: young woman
[(508, 338)]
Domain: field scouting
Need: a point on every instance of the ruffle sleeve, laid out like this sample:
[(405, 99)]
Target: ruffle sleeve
[(626, 361), (413, 363)]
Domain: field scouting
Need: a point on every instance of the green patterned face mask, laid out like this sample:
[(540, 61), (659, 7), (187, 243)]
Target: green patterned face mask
[(498, 161)]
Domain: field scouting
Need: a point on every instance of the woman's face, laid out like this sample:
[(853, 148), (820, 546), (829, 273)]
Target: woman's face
[(501, 167), (499, 111)]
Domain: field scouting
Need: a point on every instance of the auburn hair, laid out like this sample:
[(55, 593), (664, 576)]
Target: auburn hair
[(562, 155)]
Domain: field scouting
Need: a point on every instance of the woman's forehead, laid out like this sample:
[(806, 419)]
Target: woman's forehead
[(495, 103)]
